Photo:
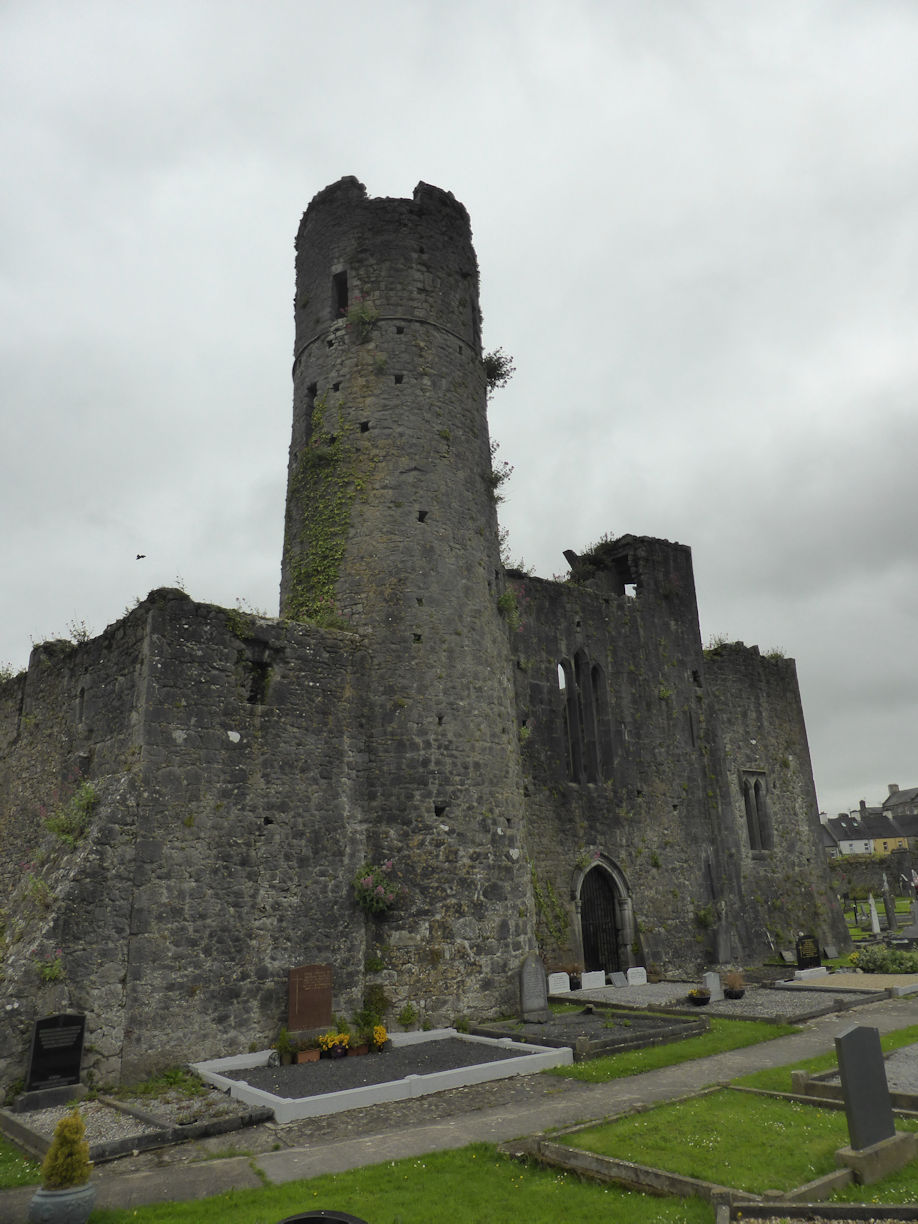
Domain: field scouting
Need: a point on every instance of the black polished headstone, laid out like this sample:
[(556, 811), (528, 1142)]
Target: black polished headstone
[(57, 1051), (807, 949), (863, 1076)]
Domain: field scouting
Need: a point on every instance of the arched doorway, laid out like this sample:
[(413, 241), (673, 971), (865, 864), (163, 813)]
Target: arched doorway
[(606, 918)]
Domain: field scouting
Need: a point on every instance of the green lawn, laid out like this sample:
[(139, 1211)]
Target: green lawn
[(777, 1079), (719, 1136), (752, 1143), (470, 1186), (723, 1035), (15, 1168)]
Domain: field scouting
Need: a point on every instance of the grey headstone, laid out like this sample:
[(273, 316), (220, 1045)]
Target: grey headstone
[(874, 916), (787, 955), (592, 980), (637, 976), (559, 983), (533, 990), (618, 979), (711, 982), (863, 1076), (830, 952), (889, 906)]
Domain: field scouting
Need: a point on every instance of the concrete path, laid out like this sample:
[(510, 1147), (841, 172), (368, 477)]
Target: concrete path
[(194, 1181)]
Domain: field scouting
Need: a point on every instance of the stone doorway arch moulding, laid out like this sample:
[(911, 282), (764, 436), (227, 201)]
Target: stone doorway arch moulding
[(621, 919)]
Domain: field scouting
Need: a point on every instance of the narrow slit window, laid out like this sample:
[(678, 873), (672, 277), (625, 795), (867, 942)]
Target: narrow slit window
[(339, 294)]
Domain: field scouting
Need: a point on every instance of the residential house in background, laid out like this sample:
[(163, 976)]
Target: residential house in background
[(902, 807)]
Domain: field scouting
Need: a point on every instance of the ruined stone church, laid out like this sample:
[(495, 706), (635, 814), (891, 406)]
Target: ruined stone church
[(550, 765)]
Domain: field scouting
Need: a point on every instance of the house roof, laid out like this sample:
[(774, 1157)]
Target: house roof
[(829, 840), (901, 798), (907, 823), (868, 826)]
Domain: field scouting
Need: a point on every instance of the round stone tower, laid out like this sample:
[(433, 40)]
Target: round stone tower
[(391, 530)]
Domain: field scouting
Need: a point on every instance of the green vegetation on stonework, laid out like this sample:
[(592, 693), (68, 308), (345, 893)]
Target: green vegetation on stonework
[(17, 1169), (753, 1143), (173, 1079), (777, 1079), (551, 915), (322, 491), (475, 1182), (724, 1035), (70, 820)]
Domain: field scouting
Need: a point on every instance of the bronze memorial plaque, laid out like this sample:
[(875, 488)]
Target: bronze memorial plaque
[(309, 997)]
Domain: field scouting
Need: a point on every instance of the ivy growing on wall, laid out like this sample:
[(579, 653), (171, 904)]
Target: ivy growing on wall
[(323, 490), (552, 918)]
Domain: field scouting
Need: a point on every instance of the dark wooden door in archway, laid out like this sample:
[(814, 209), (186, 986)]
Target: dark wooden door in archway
[(597, 922)]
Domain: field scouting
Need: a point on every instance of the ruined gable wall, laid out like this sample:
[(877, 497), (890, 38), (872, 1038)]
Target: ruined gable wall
[(221, 850), (252, 821), (655, 811), (760, 717)]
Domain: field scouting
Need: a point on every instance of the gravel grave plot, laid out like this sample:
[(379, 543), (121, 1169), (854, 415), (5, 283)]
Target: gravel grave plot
[(338, 1074), (757, 1001), (176, 1108), (901, 1071), (103, 1123), (106, 1124), (601, 1026)]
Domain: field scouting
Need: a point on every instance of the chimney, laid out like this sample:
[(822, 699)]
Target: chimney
[(863, 807), (892, 787)]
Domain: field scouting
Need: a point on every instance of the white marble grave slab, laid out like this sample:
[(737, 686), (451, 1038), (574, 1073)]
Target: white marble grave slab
[(592, 980), (559, 983), (637, 976), (711, 982)]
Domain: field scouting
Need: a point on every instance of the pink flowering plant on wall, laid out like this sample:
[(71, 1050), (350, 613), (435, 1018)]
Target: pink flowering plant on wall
[(376, 890)]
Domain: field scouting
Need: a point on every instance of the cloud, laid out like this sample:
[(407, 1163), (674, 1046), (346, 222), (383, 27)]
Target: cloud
[(697, 235)]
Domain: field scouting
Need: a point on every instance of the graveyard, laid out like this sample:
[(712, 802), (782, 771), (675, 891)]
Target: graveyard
[(805, 1133)]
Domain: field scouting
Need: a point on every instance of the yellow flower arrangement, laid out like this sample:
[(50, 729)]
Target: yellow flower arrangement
[(332, 1040), (380, 1036)]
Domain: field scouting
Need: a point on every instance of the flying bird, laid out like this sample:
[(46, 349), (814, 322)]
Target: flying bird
[(140, 556)]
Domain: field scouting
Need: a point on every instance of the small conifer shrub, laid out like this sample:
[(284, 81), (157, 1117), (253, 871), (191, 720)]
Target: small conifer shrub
[(67, 1162)]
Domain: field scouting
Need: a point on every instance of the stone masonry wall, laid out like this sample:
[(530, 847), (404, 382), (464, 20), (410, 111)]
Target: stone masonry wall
[(786, 885), (391, 524), (220, 854), (653, 808)]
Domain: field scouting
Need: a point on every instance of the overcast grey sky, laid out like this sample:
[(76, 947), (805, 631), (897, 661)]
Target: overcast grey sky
[(697, 225)]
